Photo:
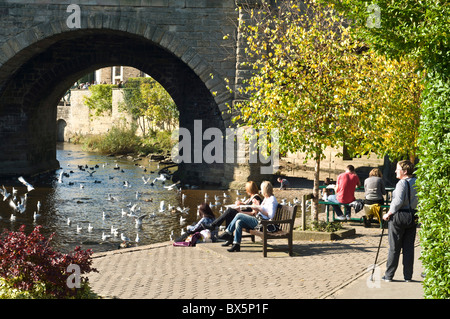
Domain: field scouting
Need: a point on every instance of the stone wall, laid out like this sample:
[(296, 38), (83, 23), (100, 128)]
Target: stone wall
[(81, 121)]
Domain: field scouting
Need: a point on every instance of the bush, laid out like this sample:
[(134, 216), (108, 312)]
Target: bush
[(30, 268), (157, 142), (119, 140), (433, 186), (325, 227)]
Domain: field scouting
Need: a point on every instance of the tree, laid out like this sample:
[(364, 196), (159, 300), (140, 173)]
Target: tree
[(101, 98), (148, 102), (421, 30), (314, 82), (160, 106), (390, 126)]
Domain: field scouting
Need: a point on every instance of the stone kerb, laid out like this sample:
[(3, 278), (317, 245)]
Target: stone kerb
[(47, 33)]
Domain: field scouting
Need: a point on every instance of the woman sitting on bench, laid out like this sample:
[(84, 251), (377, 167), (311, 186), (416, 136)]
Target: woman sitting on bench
[(253, 193), (266, 210)]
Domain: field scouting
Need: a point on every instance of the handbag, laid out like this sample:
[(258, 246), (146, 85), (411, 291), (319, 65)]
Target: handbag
[(271, 228), (407, 217)]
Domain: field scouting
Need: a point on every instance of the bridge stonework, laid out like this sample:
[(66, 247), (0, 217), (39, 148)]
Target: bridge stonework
[(180, 43)]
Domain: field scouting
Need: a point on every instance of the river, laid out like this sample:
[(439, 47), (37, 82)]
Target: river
[(84, 196)]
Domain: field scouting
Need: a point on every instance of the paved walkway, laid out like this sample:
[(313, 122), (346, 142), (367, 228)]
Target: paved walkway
[(318, 270)]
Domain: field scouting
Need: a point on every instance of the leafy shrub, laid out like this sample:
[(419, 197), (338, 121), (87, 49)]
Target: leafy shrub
[(119, 140), (157, 142), (433, 186), (30, 268), (325, 227)]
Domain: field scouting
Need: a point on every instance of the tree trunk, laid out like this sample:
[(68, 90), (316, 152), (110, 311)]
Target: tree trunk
[(315, 203)]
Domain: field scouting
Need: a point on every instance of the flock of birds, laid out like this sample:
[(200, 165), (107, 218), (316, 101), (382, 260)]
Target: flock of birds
[(19, 204), (128, 212)]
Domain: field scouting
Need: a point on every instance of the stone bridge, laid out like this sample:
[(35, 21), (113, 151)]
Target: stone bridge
[(45, 46)]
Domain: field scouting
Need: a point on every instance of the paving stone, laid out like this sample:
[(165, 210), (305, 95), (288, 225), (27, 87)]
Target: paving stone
[(317, 269)]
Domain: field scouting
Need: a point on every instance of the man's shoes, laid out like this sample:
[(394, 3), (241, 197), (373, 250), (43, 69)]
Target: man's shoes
[(386, 279), (235, 247), (348, 217), (342, 217)]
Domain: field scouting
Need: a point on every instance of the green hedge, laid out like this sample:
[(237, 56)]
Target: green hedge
[(434, 185)]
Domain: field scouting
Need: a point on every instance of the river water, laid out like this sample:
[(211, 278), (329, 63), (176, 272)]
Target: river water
[(83, 197)]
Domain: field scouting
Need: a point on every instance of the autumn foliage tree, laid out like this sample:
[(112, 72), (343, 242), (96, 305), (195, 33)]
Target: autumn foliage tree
[(316, 83), (390, 125), (420, 31)]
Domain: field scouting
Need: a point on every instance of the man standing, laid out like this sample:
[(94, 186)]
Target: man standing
[(346, 184)]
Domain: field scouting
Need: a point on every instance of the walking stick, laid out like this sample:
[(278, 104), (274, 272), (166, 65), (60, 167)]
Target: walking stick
[(378, 250)]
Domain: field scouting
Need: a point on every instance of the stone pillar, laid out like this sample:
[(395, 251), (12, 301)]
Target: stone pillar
[(249, 170), (243, 72)]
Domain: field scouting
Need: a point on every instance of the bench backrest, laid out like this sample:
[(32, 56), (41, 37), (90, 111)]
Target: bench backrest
[(285, 212)]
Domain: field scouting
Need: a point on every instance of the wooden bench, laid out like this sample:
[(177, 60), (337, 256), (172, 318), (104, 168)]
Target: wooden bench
[(284, 217)]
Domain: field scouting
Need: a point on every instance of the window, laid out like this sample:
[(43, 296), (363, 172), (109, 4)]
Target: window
[(117, 74)]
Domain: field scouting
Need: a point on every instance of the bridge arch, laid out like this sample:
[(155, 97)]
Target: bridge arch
[(19, 49), (60, 130), (41, 63)]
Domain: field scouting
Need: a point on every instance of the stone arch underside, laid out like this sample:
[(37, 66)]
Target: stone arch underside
[(41, 72)]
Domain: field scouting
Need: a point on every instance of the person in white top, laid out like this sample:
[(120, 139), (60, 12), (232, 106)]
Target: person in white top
[(266, 210)]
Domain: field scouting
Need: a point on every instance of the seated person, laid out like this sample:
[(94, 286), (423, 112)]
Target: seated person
[(374, 191), (346, 184), (329, 190), (374, 188), (253, 193), (206, 217), (266, 210)]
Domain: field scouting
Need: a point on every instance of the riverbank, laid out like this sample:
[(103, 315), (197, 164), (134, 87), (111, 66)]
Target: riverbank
[(120, 141)]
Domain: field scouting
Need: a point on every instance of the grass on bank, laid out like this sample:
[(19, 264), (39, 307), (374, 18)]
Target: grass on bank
[(120, 140)]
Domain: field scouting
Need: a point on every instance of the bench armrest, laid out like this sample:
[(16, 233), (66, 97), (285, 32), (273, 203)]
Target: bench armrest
[(283, 221)]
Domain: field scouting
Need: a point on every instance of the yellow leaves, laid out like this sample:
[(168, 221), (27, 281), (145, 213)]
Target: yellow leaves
[(314, 80)]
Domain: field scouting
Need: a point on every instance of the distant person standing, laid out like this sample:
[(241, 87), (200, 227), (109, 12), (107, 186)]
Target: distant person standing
[(283, 183), (346, 184)]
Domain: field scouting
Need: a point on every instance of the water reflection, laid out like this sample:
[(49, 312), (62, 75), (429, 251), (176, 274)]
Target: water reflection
[(83, 197)]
